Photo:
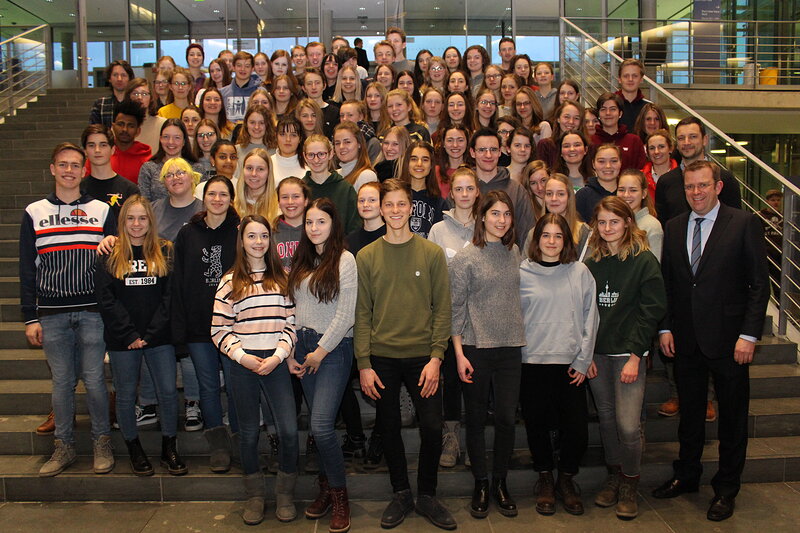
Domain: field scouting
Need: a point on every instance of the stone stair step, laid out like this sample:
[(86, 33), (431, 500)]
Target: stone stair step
[(9, 288), (772, 459), (9, 267)]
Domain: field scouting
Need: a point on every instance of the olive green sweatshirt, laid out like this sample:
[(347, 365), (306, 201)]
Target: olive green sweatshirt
[(631, 300), (403, 306)]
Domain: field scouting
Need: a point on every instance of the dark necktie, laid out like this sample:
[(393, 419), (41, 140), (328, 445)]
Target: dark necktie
[(697, 240)]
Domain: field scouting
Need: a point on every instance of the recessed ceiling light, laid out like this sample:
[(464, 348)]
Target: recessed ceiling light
[(362, 8), (216, 11), (72, 14), (436, 8), (100, 32), (290, 9)]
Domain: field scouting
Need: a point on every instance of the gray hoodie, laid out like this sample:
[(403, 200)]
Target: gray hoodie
[(560, 314), (451, 234), (523, 206)]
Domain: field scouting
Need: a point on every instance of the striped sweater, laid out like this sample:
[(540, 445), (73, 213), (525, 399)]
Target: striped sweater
[(257, 321), (57, 253)]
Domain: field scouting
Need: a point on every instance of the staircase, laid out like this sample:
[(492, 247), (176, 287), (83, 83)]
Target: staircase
[(61, 115)]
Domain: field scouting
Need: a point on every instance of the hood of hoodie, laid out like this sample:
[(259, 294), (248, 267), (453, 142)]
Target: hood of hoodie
[(639, 96), (449, 218), (137, 149), (607, 137), (594, 183), (333, 178), (499, 179)]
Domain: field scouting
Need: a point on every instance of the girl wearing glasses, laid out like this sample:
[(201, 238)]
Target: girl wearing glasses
[(437, 73), (492, 79), (527, 110), (206, 134), (141, 91), (181, 93), (326, 182), (486, 108), (161, 87)]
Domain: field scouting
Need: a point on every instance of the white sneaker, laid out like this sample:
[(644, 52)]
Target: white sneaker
[(194, 419)]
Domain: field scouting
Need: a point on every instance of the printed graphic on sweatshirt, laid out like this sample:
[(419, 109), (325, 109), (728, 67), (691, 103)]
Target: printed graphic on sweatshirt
[(422, 215), (607, 298), (235, 107), (214, 260), (57, 232)]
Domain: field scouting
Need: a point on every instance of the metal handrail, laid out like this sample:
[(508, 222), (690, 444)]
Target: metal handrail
[(652, 83), (24, 69), (23, 34)]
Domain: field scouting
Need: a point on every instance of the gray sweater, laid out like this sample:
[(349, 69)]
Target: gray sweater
[(651, 226), (560, 314), (334, 320), (484, 288), (451, 234)]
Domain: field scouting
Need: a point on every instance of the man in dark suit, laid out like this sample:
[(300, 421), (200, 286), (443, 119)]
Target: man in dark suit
[(715, 271), (692, 141), (362, 54)]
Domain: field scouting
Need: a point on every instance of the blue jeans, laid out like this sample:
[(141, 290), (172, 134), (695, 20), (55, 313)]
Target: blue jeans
[(207, 360), (246, 387), (619, 408), (191, 389), (323, 391), (125, 368), (74, 347)]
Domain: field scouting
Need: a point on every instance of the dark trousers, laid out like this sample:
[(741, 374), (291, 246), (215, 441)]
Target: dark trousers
[(393, 373), (732, 387), (350, 410), (497, 369), (451, 385), (549, 402)]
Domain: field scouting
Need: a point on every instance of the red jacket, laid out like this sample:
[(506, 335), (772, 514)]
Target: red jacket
[(633, 155), (128, 162), (647, 170)]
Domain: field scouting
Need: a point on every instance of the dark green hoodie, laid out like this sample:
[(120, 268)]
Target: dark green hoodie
[(343, 196)]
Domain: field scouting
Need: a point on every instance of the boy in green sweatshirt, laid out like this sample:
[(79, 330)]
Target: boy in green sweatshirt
[(401, 330)]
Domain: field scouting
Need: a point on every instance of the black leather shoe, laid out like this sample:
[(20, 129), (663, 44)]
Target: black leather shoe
[(505, 503), (721, 508), (674, 487), (139, 463), (480, 499), (170, 458), (436, 513), (394, 514)]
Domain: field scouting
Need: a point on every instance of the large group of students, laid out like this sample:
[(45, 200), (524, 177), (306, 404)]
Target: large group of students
[(443, 230)]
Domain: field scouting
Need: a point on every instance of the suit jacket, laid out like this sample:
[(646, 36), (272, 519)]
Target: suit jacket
[(728, 295), (362, 58), (671, 198)]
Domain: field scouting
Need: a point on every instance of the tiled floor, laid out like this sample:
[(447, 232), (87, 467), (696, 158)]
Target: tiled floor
[(771, 506)]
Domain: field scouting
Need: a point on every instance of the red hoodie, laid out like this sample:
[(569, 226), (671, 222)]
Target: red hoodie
[(633, 155), (127, 163)]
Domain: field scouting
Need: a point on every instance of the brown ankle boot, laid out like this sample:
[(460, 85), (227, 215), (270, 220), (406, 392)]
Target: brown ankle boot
[(322, 504), (609, 494), (628, 505), (569, 493), (545, 494), (340, 518)]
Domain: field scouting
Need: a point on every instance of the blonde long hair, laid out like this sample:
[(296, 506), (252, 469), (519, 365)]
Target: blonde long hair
[(634, 240), (266, 204), (119, 261)]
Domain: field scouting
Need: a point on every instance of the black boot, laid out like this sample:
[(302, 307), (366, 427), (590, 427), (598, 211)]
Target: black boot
[(479, 508), (505, 503), (139, 463), (170, 458)]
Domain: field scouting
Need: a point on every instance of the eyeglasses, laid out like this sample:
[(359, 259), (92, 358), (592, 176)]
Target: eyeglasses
[(487, 150), (487, 102), (140, 94), (317, 155), (180, 83), (699, 187), (504, 132), (492, 76), (436, 68), (177, 174), (161, 82), (206, 135), (523, 104)]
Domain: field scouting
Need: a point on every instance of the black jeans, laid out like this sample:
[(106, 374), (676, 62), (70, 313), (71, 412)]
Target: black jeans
[(732, 387), (550, 402), (451, 385), (497, 369), (350, 410), (393, 373)]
